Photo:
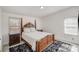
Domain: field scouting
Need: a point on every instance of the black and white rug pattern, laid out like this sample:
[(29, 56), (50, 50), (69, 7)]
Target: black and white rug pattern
[(21, 48), (58, 46)]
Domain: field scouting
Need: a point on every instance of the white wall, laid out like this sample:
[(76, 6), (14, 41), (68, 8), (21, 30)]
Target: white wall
[(5, 24), (54, 23), (0, 30)]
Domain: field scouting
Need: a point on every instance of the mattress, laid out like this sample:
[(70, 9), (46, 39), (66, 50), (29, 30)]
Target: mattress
[(32, 37)]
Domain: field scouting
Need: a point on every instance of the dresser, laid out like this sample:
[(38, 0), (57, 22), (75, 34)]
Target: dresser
[(14, 39), (14, 30)]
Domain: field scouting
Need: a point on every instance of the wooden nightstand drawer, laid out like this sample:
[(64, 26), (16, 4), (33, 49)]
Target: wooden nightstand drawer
[(14, 39)]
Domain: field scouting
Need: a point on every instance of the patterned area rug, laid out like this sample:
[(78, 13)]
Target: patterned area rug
[(21, 48), (58, 46)]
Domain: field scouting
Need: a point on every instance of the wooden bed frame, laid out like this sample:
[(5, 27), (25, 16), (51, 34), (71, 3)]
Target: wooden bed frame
[(43, 43)]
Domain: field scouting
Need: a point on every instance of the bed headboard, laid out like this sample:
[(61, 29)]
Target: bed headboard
[(29, 25)]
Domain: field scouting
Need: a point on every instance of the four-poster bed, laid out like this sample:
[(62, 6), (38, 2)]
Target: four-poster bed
[(38, 41)]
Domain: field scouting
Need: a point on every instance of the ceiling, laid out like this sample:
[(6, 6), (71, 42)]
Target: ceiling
[(33, 10)]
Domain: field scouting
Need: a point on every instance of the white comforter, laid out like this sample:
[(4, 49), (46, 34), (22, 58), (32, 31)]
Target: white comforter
[(32, 37)]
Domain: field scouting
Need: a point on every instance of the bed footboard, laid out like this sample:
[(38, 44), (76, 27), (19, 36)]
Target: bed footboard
[(44, 43)]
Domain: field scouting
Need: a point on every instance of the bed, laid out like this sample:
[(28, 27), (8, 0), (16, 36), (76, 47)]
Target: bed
[(38, 41)]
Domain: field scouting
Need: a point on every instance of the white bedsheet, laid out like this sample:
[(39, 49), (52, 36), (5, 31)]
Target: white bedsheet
[(32, 37)]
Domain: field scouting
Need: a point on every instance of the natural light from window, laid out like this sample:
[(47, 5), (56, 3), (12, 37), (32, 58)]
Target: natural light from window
[(71, 26)]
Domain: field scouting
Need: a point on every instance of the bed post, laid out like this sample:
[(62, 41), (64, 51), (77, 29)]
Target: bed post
[(35, 24), (21, 27), (53, 38), (37, 46)]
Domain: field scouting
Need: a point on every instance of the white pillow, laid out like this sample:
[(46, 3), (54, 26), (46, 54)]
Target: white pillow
[(32, 29), (27, 30)]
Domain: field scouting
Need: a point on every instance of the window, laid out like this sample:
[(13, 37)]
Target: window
[(14, 25), (71, 26)]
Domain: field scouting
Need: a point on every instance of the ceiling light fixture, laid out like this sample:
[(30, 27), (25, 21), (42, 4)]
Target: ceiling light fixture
[(41, 7)]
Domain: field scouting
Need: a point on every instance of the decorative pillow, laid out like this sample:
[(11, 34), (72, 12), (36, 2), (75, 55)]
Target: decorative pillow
[(32, 29), (27, 30)]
